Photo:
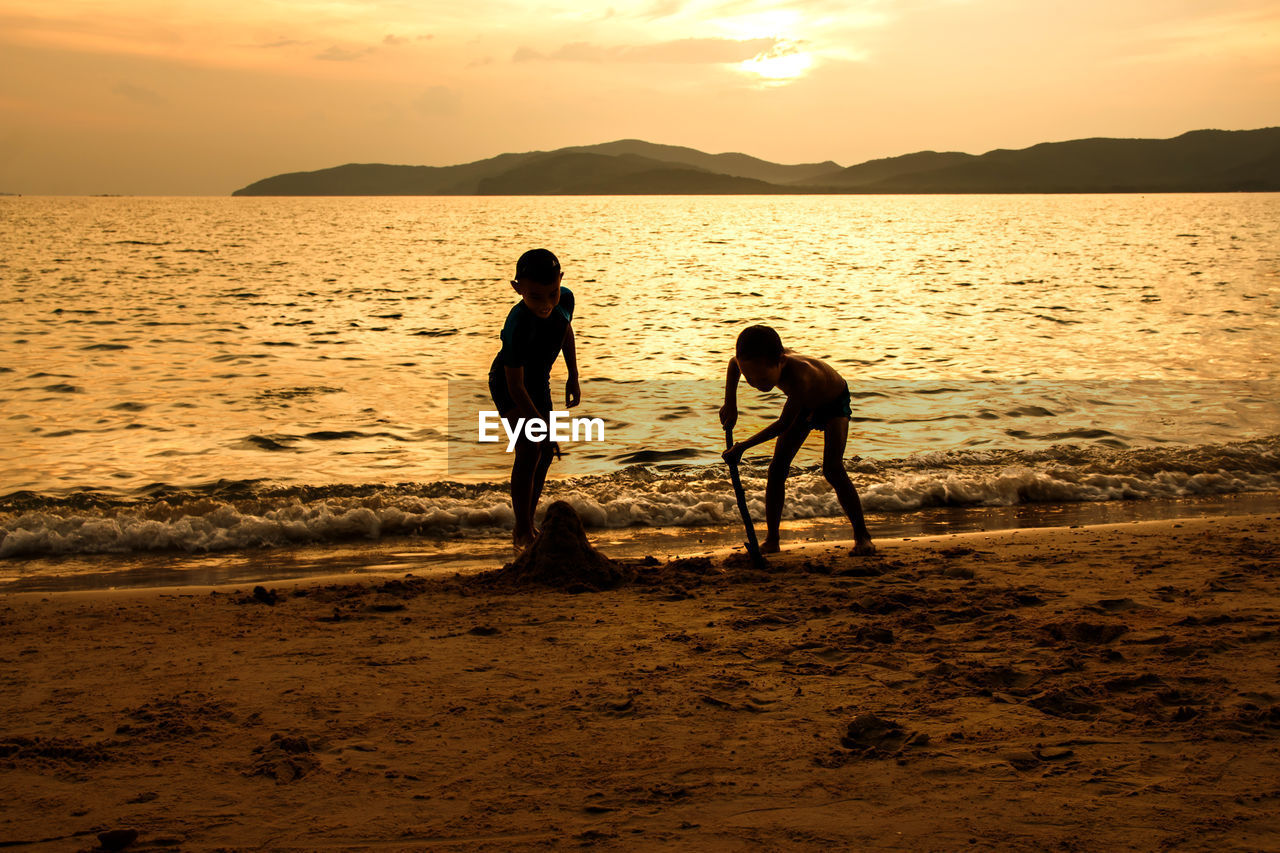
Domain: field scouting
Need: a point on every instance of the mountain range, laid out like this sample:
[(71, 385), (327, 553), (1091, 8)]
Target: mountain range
[(1198, 161)]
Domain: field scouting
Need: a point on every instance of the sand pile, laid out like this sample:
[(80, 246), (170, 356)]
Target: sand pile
[(870, 736), (562, 557)]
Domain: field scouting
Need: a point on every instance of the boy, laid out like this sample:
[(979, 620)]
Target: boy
[(817, 398), (537, 329)]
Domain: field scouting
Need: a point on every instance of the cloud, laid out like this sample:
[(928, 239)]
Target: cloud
[(139, 95), (392, 40), (680, 51), (333, 53), (662, 9), (281, 43), (700, 50), (839, 9)]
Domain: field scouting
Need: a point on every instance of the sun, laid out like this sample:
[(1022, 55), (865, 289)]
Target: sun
[(788, 59), (781, 64)]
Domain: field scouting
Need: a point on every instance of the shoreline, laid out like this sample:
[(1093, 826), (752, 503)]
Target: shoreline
[(397, 556), (727, 556), (1096, 687)]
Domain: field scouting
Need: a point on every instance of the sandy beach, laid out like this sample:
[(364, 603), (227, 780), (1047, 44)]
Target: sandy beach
[(1092, 688)]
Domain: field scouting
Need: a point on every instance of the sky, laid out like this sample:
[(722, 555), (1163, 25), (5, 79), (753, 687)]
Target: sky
[(183, 97)]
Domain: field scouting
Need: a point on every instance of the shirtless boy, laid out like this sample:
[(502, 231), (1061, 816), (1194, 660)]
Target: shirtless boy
[(817, 398)]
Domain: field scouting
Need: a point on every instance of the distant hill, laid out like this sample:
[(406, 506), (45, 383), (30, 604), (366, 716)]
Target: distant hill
[(582, 173), (379, 179), (735, 165), (873, 171), (1199, 161), (607, 169)]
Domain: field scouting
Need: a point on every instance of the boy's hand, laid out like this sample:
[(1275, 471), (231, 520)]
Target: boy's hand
[(572, 393), (728, 416), (733, 454)]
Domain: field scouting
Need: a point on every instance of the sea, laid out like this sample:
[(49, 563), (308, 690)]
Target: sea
[(205, 390)]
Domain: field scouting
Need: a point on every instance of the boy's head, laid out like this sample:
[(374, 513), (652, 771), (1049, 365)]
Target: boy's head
[(538, 281), (759, 356)]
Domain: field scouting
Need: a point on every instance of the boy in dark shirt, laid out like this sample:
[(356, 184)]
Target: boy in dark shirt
[(817, 398), (537, 329)]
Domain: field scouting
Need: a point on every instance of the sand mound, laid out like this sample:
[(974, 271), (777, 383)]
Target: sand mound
[(562, 557), (872, 737)]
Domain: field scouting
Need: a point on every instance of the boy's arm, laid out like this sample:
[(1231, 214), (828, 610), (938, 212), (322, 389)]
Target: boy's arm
[(790, 411), (515, 385), (572, 392), (729, 411)]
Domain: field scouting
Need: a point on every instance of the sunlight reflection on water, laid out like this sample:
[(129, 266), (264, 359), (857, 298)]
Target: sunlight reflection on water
[(188, 340)]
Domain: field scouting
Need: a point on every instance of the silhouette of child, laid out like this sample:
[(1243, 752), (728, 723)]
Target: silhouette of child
[(538, 328), (817, 398)]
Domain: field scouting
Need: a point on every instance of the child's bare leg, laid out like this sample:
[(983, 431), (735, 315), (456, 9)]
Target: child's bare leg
[(837, 435), (524, 471), (776, 488), (540, 476)]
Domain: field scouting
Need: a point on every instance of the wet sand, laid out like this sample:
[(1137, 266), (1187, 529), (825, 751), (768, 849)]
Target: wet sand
[(1093, 688)]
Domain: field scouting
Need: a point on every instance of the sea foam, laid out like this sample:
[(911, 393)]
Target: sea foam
[(252, 515)]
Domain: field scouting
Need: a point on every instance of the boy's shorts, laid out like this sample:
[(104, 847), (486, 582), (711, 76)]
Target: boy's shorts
[(839, 407), (504, 402)]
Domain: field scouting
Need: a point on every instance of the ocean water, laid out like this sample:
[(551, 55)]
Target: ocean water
[(218, 374)]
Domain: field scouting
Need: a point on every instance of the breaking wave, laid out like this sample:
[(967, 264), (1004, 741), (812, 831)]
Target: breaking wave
[(229, 516)]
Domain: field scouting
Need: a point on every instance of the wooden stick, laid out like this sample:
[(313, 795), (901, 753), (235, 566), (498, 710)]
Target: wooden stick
[(753, 547)]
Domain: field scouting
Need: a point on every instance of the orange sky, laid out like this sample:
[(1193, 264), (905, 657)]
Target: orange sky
[(173, 97)]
